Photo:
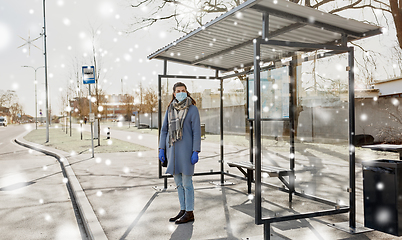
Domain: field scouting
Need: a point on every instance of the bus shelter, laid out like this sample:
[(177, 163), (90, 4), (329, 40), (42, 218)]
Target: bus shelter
[(274, 32)]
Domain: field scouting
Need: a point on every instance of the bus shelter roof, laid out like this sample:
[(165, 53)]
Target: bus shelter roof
[(226, 43)]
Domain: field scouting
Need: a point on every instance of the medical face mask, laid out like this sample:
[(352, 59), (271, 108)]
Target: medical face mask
[(181, 96)]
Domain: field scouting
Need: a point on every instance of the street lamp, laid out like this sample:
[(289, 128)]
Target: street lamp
[(36, 96)]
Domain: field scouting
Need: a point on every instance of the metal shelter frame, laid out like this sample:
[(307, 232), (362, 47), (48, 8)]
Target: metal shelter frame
[(267, 38)]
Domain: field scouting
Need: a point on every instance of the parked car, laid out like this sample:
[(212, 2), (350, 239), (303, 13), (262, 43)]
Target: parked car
[(3, 121)]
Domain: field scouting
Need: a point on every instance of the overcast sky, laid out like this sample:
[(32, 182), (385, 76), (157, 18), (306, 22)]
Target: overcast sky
[(69, 24)]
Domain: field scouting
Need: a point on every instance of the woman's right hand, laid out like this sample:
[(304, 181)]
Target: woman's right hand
[(162, 155)]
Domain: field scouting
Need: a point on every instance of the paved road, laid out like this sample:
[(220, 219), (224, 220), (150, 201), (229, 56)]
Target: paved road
[(34, 201), (119, 189)]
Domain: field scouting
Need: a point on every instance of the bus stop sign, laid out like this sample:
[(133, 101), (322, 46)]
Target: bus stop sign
[(88, 74)]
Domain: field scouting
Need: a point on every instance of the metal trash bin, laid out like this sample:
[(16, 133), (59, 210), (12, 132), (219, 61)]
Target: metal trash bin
[(382, 189)]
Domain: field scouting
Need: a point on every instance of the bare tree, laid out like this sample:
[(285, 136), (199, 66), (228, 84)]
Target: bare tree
[(15, 110), (188, 14), (81, 92), (140, 94), (97, 63), (128, 101), (8, 98), (392, 133), (67, 95), (150, 101), (185, 14), (397, 55)]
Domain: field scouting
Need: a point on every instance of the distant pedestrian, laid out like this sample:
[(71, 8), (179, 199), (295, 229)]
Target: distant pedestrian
[(85, 120), (181, 139)]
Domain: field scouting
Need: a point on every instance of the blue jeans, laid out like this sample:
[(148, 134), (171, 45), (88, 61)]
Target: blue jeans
[(185, 189)]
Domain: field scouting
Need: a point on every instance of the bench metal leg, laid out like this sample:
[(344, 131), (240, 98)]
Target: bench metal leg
[(267, 231), (292, 186), (249, 180)]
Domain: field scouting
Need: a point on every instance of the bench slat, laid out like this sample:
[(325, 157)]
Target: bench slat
[(271, 170)]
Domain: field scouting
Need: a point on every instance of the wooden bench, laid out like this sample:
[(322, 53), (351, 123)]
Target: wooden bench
[(271, 170)]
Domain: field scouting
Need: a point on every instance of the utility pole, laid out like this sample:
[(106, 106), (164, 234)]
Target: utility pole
[(69, 104), (121, 80), (46, 87), (92, 129), (36, 95)]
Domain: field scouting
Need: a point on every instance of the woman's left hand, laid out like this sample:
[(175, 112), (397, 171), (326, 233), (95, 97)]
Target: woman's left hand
[(194, 158)]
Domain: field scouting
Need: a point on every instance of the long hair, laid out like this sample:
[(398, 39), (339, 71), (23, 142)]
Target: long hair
[(180, 84)]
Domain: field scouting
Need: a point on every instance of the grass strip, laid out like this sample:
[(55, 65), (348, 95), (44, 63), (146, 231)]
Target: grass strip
[(58, 139)]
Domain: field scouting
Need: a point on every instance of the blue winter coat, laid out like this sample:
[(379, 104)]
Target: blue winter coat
[(179, 154)]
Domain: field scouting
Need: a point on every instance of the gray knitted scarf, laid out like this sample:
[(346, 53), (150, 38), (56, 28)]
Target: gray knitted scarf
[(176, 115)]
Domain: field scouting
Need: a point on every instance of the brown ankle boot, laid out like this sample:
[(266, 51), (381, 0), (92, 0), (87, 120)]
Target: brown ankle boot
[(187, 217), (179, 215)]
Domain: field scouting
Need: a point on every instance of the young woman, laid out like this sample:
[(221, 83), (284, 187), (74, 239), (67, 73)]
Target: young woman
[(180, 143)]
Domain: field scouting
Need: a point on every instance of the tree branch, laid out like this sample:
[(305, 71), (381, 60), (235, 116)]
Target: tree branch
[(346, 7), (322, 3)]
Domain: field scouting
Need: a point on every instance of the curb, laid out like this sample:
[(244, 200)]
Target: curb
[(90, 221)]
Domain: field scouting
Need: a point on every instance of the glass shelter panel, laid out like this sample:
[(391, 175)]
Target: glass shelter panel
[(321, 141), (274, 93), (321, 149), (236, 126)]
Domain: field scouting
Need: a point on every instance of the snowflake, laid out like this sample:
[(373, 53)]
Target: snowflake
[(66, 21), (48, 218), (383, 216), (380, 186), (101, 211)]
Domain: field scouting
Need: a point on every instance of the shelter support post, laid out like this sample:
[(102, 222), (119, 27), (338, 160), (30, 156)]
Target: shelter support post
[(164, 73), (257, 129), (221, 128), (293, 77), (159, 122), (250, 172), (160, 117), (267, 231), (265, 26), (352, 175)]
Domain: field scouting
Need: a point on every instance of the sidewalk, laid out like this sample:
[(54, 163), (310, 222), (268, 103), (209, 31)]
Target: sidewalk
[(119, 189)]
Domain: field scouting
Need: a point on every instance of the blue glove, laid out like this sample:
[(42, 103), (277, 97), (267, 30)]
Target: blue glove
[(194, 158), (162, 155)]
